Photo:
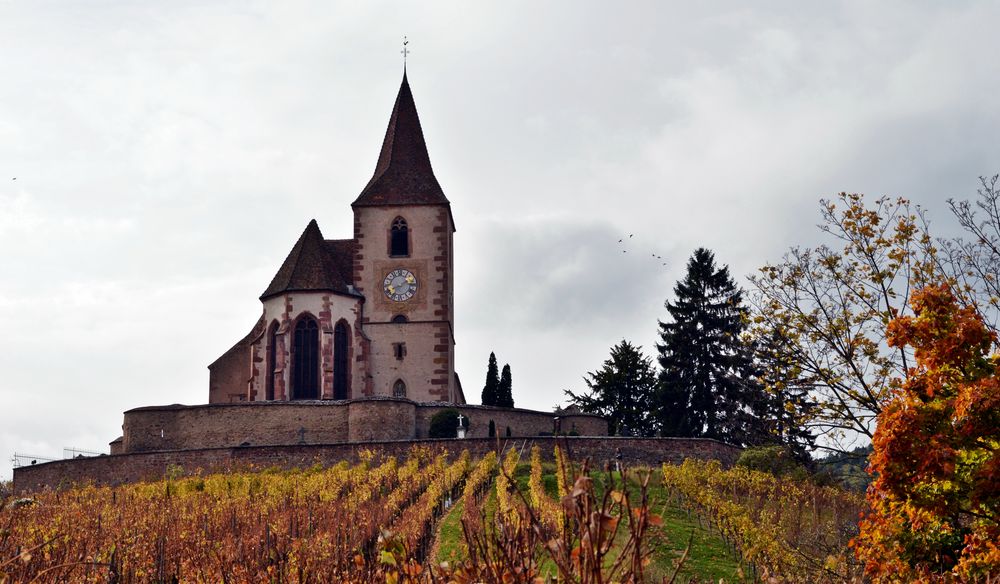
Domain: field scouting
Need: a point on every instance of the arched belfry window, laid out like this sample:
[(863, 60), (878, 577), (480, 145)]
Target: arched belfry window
[(399, 389), (272, 361), (399, 238), (305, 360), (340, 360)]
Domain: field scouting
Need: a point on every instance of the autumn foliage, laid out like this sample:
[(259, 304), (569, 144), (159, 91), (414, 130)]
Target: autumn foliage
[(935, 502)]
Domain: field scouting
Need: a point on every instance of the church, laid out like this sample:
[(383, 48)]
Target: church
[(356, 337), (363, 317)]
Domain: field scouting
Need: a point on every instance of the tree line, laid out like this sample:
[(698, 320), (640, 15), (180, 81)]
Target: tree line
[(887, 335), (712, 379), (801, 356)]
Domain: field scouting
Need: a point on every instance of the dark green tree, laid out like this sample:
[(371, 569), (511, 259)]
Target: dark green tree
[(707, 383), (505, 396), (623, 391), (444, 424), (491, 391), (785, 407)]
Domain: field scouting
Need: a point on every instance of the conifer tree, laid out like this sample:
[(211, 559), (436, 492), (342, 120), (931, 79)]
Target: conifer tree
[(785, 405), (505, 395), (707, 385), (492, 388), (623, 391)]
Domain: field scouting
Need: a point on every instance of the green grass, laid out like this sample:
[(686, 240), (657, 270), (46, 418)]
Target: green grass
[(450, 537), (708, 559)]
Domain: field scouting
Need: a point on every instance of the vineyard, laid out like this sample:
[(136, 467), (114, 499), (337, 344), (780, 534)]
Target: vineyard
[(780, 526), (433, 517)]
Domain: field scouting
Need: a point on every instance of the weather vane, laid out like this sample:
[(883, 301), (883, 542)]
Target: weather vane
[(405, 50)]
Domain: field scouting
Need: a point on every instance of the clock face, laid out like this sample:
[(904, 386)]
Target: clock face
[(399, 285)]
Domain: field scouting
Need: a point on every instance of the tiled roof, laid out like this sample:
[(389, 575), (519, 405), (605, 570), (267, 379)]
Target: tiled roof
[(403, 175), (315, 264)]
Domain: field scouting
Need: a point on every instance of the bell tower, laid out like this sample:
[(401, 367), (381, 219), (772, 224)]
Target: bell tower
[(403, 266)]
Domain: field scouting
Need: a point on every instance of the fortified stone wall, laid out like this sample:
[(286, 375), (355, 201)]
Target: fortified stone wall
[(178, 427), (125, 468), (381, 420), (521, 422), (215, 425)]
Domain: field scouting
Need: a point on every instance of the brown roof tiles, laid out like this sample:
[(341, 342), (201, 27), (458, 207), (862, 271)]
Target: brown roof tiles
[(403, 175), (315, 264)]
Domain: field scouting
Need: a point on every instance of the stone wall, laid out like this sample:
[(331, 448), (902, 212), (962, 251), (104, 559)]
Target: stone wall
[(521, 422), (124, 468), (178, 427), (222, 425), (390, 419)]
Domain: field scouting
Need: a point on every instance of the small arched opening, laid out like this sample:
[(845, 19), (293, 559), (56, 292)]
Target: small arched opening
[(399, 389), (399, 238)]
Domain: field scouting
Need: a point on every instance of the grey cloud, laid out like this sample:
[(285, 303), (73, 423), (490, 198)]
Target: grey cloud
[(167, 158)]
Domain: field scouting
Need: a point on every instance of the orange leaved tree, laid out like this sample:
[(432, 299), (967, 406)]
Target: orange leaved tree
[(935, 501)]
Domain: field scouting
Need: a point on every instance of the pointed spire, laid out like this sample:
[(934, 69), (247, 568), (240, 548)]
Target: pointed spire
[(403, 175), (310, 266)]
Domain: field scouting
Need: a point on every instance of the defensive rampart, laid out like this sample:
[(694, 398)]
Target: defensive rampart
[(178, 427), (138, 466)]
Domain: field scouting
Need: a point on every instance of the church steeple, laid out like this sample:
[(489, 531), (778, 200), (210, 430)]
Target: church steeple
[(403, 175)]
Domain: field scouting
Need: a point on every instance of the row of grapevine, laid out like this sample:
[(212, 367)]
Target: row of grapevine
[(548, 511), (506, 504), (413, 525), (782, 526)]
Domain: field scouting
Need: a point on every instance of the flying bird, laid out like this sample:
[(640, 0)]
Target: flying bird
[(630, 236), (619, 241)]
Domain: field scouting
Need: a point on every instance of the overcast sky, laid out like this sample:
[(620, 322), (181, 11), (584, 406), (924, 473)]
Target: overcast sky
[(168, 155)]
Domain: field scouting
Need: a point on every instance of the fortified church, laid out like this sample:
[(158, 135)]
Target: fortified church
[(354, 349), (356, 338), (368, 316)]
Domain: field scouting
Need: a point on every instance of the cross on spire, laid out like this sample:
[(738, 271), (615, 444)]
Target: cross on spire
[(405, 50)]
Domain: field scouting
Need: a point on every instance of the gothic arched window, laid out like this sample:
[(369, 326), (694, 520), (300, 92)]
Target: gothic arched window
[(399, 238), (399, 319), (272, 361), (305, 359), (399, 389), (340, 360)]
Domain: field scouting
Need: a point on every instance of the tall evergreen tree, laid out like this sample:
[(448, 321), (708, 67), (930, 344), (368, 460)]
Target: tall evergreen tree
[(707, 384), (505, 395), (623, 391), (491, 389), (785, 408)]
